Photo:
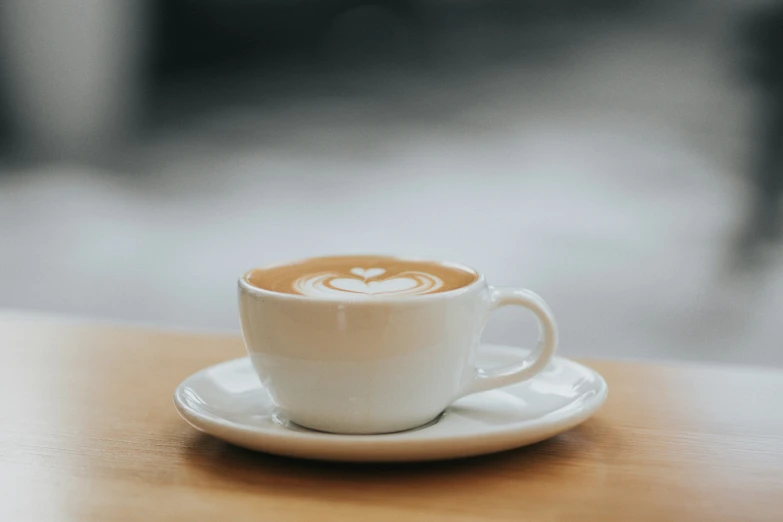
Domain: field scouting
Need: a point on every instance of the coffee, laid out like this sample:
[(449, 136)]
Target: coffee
[(361, 276)]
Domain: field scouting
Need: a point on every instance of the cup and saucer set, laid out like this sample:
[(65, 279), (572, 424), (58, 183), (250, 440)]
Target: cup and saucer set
[(370, 358)]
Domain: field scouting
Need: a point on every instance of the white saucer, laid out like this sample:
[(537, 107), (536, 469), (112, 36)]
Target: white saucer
[(228, 402)]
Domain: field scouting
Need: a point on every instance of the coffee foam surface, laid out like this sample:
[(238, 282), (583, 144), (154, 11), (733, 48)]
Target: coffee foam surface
[(361, 277)]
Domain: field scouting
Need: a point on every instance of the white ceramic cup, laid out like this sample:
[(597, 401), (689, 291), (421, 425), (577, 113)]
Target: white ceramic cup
[(383, 364)]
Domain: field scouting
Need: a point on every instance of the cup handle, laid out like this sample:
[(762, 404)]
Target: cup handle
[(487, 379)]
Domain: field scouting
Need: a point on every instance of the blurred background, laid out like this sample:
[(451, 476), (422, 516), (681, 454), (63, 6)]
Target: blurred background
[(623, 158)]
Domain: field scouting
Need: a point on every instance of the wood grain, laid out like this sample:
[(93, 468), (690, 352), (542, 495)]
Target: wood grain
[(88, 432)]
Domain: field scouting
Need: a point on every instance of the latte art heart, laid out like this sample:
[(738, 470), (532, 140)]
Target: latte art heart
[(389, 286), (333, 284)]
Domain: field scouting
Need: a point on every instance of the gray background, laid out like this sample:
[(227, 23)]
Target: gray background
[(599, 153)]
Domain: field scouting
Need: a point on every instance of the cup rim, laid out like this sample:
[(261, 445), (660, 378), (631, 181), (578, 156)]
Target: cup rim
[(254, 290)]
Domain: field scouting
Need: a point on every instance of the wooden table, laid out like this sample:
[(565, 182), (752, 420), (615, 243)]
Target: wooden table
[(88, 432)]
